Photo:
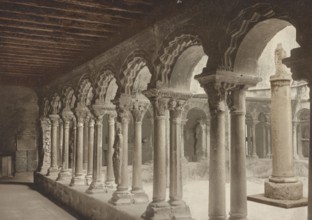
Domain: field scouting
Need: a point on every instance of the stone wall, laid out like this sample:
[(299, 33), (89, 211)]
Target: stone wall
[(18, 126)]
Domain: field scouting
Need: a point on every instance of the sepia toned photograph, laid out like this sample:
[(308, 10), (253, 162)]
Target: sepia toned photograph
[(155, 110)]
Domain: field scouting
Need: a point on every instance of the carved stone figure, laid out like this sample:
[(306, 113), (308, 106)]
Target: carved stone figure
[(117, 154)]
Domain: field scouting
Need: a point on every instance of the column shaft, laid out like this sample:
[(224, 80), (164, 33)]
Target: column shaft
[(217, 167), (124, 183), (54, 143), (64, 173), (310, 163), (85, 144), (254, 145), (238, 209), (90, 151), (175, 193), (97, 182), (110, 179), (137, 157)]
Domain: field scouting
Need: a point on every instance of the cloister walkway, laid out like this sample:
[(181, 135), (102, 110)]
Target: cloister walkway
[(20, 201)]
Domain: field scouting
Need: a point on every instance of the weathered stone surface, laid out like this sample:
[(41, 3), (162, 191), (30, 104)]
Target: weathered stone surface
[(279, 203), (283, 191), (93, 207)]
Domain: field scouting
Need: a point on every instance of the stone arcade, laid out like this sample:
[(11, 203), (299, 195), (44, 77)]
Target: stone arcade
[(102, 89)]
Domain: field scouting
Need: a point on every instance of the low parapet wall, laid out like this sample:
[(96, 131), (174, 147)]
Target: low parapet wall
[(89, 206)]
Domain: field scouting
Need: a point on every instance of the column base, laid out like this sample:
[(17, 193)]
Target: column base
[(96, 186), (139, 196), (180, 211), (78, 181), (53, 171), (64, 175), (158, 211), (223, 217), (121, 198), (88, 179), (237, 217), (110, 185), (254, 156), (283, 191)]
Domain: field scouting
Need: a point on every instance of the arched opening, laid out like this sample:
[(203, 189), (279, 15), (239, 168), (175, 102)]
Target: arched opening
[(303, 133), (261, 136), (195, 135)]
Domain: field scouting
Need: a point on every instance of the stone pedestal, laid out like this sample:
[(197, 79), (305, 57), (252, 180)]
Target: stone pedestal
[(282, 185)]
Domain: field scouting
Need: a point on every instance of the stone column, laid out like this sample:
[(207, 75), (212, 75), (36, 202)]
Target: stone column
[(300, 141), (158, 208), (238, 195), (208, 139), (97, 184), (183, 122), (295, 140), (217, 209), (310, 162), (85, 142), (65, 172), (254, 145), (167, 146), (53, 170), (110, 178), (60, 142), (268, 132), (122, 196), (46, 142), (282, 185), (90, 152), (140, 106), (179, 208), (78, 178), (217, 86)]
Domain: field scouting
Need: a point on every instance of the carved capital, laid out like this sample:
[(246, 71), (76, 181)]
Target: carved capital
[(176, 108), (99, 111), (236, 100), (123, 107), (81, 113), (139, 109), (45, 122), (91, 123), (160, 98), (54, 119), (67, 116)]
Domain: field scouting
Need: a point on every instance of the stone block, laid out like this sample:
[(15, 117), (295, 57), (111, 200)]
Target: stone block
[(287, 204), (283, 191)]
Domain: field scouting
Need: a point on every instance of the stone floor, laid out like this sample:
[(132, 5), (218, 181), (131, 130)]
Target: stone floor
[(20, 201), (32, 205)]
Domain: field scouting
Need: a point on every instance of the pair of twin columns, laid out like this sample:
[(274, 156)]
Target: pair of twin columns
[(227, 88)]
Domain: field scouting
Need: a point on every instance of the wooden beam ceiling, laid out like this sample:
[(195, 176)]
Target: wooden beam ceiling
[(41, 39)]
